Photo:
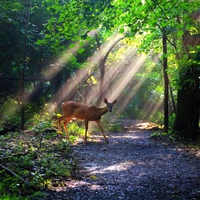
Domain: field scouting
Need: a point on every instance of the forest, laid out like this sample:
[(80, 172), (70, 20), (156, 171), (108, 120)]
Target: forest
[(143, 53)]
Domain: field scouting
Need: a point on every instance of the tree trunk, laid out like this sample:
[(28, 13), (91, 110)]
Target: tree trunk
[(102, 67), (166, 82), (26, 18), (187, 113), (186, 122)]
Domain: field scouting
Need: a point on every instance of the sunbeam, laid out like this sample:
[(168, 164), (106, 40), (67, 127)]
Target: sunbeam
[(151, 109), (72, 85), (132, 92), (118, 77), (55, 68), (125, 79), (112, 73)]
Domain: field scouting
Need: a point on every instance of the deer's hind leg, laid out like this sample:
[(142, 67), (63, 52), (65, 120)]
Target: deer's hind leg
[(86, 129), (59, 121), (65, 125)]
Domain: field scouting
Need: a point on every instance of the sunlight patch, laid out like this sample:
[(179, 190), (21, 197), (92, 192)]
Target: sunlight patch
[(117, 167), (78, 184), (131, 136)]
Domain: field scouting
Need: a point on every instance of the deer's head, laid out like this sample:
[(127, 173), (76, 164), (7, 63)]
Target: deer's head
[(109, 105)]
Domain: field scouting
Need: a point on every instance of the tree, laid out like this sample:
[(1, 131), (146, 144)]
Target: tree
[(166, 82), (186, 122)]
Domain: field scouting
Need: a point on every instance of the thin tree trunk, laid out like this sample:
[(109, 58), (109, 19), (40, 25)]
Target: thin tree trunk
[(27, 15), (166, 82), (102, 66), (173, 110)]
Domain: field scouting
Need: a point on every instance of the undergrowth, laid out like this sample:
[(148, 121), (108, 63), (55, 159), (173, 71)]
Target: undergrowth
[(36, 159), (161, 136)]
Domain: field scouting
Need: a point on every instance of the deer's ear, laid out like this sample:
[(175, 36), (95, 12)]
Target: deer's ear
[(114, 102), (105, 100)]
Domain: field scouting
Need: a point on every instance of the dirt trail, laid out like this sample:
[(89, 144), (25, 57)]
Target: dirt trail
[(133, 166)]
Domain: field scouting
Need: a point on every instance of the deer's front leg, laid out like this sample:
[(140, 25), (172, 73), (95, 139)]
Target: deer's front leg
[(100, 127), (86, 129)]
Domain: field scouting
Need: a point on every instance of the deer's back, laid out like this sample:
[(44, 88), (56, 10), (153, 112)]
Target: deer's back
[(74, 109)]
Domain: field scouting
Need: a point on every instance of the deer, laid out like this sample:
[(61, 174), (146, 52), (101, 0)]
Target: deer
[(72, 109)]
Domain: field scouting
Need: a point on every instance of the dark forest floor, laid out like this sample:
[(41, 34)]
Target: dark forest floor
[(132, 166)]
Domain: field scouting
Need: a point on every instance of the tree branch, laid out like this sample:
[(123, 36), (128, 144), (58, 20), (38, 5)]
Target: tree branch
[(10, 172), (111, 47)]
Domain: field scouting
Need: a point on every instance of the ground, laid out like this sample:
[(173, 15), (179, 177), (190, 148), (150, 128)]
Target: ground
[(133, 166)]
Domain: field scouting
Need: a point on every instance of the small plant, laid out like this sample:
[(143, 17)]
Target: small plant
[(11, 197), (172, 119), (111, 125), (158, 134), (115, 127), (162, 137), (75, 130), (41, 122)]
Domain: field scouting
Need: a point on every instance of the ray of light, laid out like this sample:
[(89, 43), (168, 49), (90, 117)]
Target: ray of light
[(71, 86), (127, 99), (55, 68), (152, 108), (124, 80), (119, 80), (132, 93), (112, 74)]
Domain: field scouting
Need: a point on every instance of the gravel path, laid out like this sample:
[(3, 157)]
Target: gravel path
[(133, 166)]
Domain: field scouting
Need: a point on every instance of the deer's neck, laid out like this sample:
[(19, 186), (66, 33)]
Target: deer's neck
[(103, 111)]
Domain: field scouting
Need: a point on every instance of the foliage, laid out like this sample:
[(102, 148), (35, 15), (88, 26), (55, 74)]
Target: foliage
[(37, 158), (163, 137), (70, 26), (39, 155), (11, 197), (41, 121), (10, 111), (76, 130), (115, 127)]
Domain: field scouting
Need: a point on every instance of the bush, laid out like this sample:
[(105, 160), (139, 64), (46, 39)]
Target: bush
[(10, 112)]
